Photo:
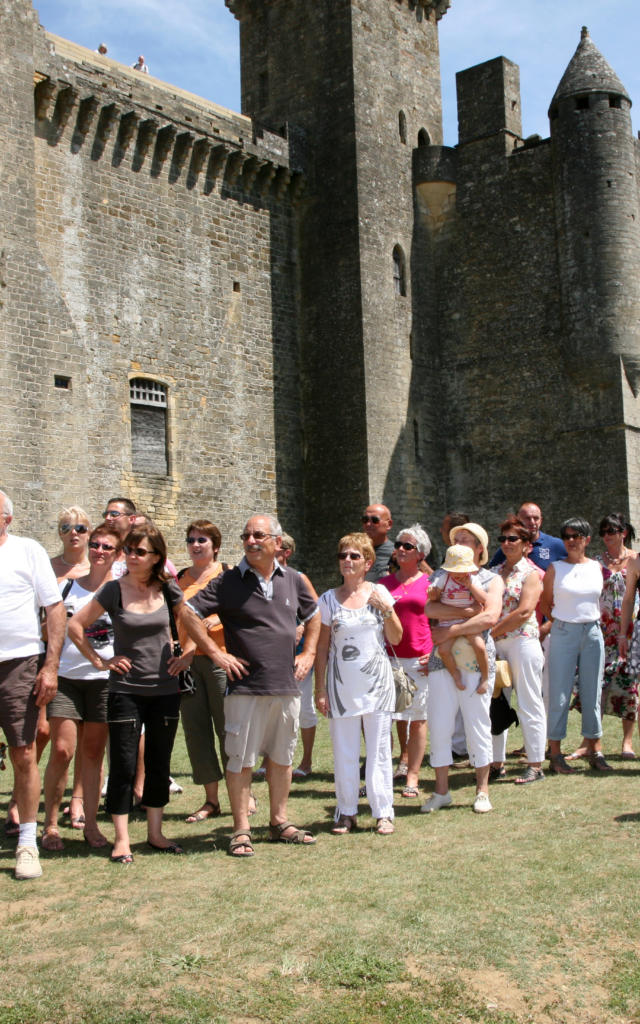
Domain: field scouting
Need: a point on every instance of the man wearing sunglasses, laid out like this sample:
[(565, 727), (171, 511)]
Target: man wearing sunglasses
[(376, 523), (120, 513), (546, 549), (27, 683), (258, 603)]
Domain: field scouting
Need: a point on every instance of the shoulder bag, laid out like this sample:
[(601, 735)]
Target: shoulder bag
[(186, 682)]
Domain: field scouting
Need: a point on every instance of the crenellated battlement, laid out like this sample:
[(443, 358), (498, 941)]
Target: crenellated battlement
[(96, 102)]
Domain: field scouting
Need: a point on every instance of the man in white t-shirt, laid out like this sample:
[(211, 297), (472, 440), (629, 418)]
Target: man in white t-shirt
[(27, 583)]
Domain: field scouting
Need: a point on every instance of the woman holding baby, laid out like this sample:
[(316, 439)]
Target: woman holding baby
[(455, 621)]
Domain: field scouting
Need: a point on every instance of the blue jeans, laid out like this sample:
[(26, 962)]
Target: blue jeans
[(575, 645)]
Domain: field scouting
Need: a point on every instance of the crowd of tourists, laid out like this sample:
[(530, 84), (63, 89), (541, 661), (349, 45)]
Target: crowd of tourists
[(106, 646)]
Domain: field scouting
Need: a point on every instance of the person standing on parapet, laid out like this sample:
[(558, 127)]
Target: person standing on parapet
[(546, 549), (376, 523), (140, 66), (27, 682)]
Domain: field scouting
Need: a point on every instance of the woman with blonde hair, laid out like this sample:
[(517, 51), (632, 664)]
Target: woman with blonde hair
[(354, 684)]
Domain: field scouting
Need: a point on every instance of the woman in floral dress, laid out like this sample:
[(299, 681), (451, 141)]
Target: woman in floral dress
[(620, 694)]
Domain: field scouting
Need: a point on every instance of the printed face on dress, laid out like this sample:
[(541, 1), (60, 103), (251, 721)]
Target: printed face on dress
[(531, 517), (376, 523), (263, 547)]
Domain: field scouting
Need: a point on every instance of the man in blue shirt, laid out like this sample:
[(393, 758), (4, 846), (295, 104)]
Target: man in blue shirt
[(546, 549)]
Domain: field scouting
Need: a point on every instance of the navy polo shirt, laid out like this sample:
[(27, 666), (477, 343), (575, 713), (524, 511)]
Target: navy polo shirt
[(259, 624), (546, 549)]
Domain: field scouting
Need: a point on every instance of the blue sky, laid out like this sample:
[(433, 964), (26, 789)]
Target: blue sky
[(194, 43)]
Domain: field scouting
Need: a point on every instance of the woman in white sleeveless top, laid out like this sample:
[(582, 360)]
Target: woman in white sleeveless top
[(571, 599)]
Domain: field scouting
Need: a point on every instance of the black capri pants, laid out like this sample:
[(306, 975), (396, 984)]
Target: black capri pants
[(126, 714)]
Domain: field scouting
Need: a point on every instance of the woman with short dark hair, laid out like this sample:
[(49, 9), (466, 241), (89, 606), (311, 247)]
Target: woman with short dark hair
[(571, 599), (143, 684)]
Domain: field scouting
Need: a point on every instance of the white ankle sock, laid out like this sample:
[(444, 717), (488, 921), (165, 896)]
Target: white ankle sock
[(27, 835)]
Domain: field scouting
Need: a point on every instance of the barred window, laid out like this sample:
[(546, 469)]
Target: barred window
[(148, 407)]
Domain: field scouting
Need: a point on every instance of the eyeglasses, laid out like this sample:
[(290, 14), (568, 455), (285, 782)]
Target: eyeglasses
[(404, 545), (353, 555), (197, 540), (371, 519), (571, 536), (256, 534), (511, 537), (140, 552), (95, 546), (609, 531), (69, 528), (113, 514)]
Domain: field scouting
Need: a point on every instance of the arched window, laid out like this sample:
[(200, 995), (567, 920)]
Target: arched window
[(402, 126), (148, 406), (399, 275), (423, 137)]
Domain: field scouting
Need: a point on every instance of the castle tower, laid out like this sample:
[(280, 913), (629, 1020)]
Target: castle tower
[(598, 220), (356, 84)]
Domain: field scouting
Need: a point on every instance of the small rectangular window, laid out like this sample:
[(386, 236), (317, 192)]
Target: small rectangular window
[(62, 382)]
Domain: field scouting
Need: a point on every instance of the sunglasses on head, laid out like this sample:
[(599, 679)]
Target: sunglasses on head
[(98, 545), (353, 555), (69, 527), (405, 545), (371, 519), (511, 537), (197, 540)]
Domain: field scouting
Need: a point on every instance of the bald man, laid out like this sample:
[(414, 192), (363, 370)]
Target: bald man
[(376, 523)]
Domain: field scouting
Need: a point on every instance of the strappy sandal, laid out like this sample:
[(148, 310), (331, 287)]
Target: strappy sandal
[(529, 775), (51, 840), (599, 763), (558, 764), (345, 823), (298, 837), (202, 813), (241, 840), (410, 792), (385, 827)]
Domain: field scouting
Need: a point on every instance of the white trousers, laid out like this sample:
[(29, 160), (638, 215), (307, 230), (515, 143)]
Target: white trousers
[(443, 703), (308, 716), (526, 662), (345, 737)]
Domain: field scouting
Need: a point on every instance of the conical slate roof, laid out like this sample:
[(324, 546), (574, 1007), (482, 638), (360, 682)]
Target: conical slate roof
[(586, 72)]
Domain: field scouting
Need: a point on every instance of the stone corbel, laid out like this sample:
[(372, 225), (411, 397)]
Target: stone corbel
[(42, 96), (282, 181), (127, 129), (164, 142), (235, 163), (199, 153), (250, 172), (265, 177), (65, 102), (86, 113), (106, 123), (184, 141)]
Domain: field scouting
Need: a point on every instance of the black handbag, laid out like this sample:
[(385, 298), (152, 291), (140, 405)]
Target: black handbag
[(186, 682)]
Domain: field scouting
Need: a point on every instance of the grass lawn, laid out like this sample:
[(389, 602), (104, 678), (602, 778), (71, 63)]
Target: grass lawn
[(529, 914)]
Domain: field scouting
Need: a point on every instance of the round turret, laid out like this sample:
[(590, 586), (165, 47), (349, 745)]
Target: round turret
[(587, 72)]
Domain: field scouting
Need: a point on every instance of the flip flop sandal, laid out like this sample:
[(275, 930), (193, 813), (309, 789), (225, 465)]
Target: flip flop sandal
[(345, 823), (385, 827), (202, 814), (241, 840), (299, 836), (171, 848)]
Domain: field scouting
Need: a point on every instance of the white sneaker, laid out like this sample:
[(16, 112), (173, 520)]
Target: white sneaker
[(482, 803), (27, 863), (174, 787), (435, 802)]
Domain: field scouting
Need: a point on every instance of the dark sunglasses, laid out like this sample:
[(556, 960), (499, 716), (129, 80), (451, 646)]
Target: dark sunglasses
[(96, 546), (197, 540), (404, 544), (353, 555), (609, 531), (511, 537), (371, 519), (113, 514), (571, 536), (80, 528), (140, 552), (256, 534)]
